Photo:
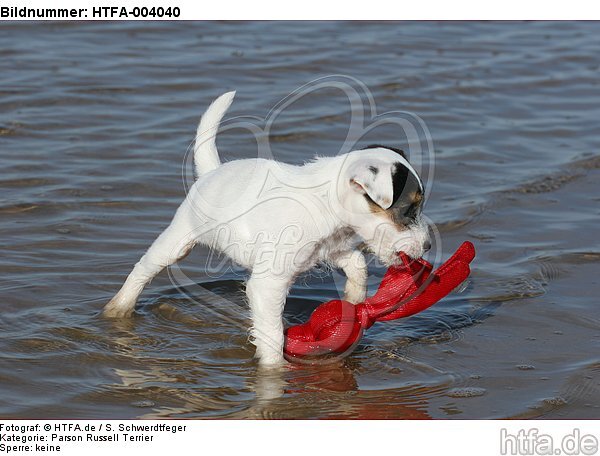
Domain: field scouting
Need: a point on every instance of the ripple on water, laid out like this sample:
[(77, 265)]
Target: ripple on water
[(525, 367), (556, 401), (467, 391), (143, 404), (547, 183), (508, 289)]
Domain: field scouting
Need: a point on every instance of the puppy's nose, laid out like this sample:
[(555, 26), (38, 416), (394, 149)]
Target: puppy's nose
[(426, 246)]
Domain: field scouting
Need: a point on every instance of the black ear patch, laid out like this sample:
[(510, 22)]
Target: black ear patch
[(408, 196), (400, 175), (394, 149)]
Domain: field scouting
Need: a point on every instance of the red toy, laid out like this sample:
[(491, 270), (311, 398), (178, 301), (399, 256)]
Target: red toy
[(335, 327)]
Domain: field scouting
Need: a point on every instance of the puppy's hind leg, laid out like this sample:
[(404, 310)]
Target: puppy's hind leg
[(173, 244)]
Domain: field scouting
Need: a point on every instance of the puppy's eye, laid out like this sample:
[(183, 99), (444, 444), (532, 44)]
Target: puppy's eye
[(412, 211), (406, 214)]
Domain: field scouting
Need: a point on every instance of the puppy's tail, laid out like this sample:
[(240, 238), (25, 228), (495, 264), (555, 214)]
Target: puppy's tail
[(206, 156)]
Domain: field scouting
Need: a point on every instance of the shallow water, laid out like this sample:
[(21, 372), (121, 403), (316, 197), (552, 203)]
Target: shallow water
[(95, 120)]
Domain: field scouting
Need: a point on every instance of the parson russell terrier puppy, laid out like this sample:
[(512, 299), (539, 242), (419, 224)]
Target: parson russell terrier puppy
[(279, 220)]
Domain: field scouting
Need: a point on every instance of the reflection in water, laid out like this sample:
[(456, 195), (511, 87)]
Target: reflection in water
[(179, 376)]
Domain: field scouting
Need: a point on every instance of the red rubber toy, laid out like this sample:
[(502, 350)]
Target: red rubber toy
[(335, 327)]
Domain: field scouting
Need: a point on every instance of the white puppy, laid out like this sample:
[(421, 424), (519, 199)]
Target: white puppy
[(279, 220)]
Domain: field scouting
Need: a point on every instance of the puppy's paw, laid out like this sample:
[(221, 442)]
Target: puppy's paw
[(118, 308), (272, 362), (269, 358)]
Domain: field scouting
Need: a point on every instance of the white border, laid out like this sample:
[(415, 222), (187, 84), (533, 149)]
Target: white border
[(307, 438)]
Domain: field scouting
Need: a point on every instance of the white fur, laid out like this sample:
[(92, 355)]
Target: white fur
[(277, 220), (206, 156)]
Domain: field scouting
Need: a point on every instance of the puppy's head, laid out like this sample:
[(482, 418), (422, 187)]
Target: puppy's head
[(385, 197)]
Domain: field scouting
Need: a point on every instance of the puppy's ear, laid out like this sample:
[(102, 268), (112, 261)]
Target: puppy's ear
[(373, 180)]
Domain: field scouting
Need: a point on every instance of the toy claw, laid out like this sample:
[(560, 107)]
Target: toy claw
[(335, 327)]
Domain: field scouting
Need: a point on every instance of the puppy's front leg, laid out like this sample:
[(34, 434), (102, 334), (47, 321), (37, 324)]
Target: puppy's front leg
[(354, 265), (266, 296)]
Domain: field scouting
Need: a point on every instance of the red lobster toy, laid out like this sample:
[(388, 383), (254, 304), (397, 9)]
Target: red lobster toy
[(335, 327)]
